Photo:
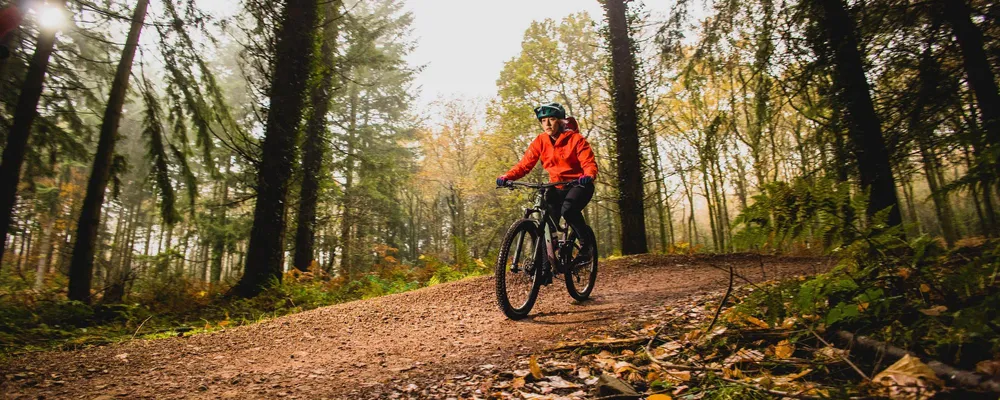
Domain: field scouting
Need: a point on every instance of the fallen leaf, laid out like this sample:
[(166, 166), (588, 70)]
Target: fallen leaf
[(668, 349), (715, 332), (784, 349), (909, 378), (558, 382), (924, 288), (787, 380), (734, 373), (766, 381), (659, 397), (862, 307), (823, 393), (988, 367), (789, 323), (758, 322), (536, 371), (533, 396), (831, 353), (691, 335), (517, 383), (683, 376), (934, 311), (744, 355), (623, 366), (904, 273)]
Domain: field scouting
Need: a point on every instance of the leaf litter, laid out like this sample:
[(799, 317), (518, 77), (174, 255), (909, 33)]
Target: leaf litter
[(667, 354)]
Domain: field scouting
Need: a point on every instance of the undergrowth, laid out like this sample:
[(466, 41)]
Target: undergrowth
[(913, 294), (172, 304)]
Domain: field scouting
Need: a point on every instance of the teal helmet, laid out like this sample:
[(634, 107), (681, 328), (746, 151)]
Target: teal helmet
[(550, 110)]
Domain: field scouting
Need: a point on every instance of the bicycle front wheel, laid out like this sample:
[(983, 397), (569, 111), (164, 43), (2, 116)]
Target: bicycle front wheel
[(581, 273), (518, 269)]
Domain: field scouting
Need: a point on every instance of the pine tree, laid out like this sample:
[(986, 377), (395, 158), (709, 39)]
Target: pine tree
[(82, 262), (294, 54), (841, 48), (24, 118), (315, 141)]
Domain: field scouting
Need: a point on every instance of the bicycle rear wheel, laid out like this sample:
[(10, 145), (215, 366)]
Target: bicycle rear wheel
[(581, 271), (518, 269)]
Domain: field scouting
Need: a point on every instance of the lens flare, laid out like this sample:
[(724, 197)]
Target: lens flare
[(51, 17)]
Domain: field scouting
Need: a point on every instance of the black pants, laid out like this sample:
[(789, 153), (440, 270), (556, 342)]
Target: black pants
[(569, 204)]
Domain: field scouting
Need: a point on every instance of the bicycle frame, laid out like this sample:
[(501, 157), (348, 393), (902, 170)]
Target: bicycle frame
[(548, 226)]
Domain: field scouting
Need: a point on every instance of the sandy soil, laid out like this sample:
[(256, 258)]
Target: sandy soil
[(370, 348)]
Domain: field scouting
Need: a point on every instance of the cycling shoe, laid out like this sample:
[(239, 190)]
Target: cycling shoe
[(546, 277)]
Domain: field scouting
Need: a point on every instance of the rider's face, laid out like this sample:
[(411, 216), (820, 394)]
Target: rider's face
[(550, 125)]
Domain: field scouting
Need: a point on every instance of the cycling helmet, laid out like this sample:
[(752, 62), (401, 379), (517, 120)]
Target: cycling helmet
[(550, 110)]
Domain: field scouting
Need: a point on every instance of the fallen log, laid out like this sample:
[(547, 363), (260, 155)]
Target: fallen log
[(966, 379)]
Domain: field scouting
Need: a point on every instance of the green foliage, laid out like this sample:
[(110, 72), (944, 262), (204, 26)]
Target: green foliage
[(912, 293), (786, 213)]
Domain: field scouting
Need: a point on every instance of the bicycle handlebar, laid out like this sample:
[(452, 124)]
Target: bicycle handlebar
[(511, 184)]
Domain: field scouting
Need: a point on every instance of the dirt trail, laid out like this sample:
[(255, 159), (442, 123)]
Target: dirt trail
[(360, 349)]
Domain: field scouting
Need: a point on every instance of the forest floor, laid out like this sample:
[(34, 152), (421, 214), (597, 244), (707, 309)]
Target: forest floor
[(415, 344)]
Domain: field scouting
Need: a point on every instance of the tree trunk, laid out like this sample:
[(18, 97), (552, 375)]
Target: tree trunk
[(630, 177), (114, 290), (46, 244), (847, 230), (977, 66), (854, 95), (692, 230), (22, 254), (82, 261), (711, 207), (44, 255), (294, 55), (221, 238), (654, 148), (24, 118), (313, 148), (346, 220), (133, 233), (928, 75), (911, 207)]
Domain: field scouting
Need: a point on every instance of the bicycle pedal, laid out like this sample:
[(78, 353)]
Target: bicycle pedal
[(546, 277)]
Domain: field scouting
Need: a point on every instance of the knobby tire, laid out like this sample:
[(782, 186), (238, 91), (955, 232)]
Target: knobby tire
[(574, 276), (528, 268)]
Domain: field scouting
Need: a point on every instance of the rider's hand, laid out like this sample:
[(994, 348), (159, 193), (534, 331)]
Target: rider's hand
[(585, 180), (502, 181)]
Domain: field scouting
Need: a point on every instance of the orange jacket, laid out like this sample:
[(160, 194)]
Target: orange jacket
[(569, 158)]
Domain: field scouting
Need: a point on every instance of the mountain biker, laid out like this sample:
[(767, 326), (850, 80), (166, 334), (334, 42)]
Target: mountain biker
[(567, 156)]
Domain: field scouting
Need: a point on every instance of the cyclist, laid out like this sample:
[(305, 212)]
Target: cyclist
[(567, 156)]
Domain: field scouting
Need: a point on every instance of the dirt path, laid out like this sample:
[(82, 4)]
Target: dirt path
[(362, 349)]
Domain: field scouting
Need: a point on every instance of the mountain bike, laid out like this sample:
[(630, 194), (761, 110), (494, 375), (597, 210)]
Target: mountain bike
[(534, 248)]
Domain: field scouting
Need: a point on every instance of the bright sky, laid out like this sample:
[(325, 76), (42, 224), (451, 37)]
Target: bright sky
[(464, 43)]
